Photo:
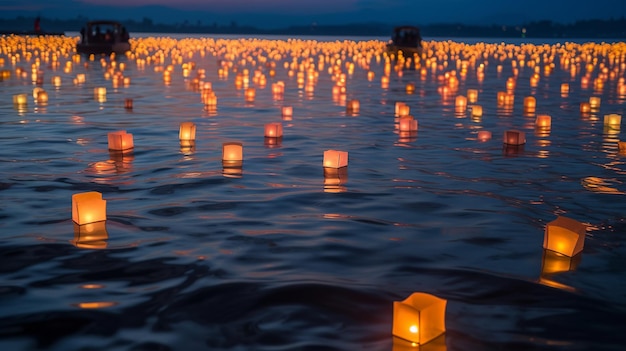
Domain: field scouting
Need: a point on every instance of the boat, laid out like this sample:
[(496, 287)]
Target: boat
[(103, 37), (405, 39)]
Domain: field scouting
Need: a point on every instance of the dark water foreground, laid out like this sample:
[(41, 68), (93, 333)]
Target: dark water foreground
[(196, 258)]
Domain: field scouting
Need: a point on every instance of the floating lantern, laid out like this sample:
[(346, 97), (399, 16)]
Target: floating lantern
[(128, 104), (187, 133), (543, 121), (88, 207), (564, 89), (335, 159), (594, 102), (553, 262), (100, 92), (353, 106), (42, 97), (477, 110), (407, 124), (334, 179), (530, 103), (410, 88), (460, 103), (565, 236), (90, 236), (250, 94), (274, 130), (402, 109), (120, 141), (420, 318), (484, 135), (585, 107), (621, 146), (56, 81), (613, 120), (20, 100), (287, 112), (514, 137), (384, 82), (232, 151), (472, 95)]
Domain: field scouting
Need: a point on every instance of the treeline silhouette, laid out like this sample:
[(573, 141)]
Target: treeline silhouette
[(596, 29)]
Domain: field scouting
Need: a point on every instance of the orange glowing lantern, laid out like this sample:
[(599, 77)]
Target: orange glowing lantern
[(594, 102), (187, 133), (621, 146), (90, 236), (100, 93), (543, 121), (585, 107), (564, 89), (128, 104), (232, 152), (402, 109), (530, 103), (565, 236), (56, 81), (420, 318), (460, 103), (42, 97), (120, 141), (353, 106), (287, 111), (472, 95), (410, 88), (484, 135), (477, 110), (335, 159), (407, 124), (384, 82), (514, 137), (613, 120), (274, 130), (250, 94), (20, 100), (88, 208)]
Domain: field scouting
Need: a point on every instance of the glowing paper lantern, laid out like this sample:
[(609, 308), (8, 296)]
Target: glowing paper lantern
[(543, 121), (565, 236), (20, 100), (613, 120), (287, 111), (530, 103), (274, 130), (472, 95), (90, 236), (232, 151), (335, 159), (460, 103), (420, 318), (353, 106), (250, 94), (88, 207), (514, 137), (484, 135), (187, 133), (410, 88), (128, 104), (621, 145), (120, 141), (564, 89), (477, 110), (585, 107), (594, 102), (407, 124)]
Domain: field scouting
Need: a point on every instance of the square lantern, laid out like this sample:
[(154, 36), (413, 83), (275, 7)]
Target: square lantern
[(460, 103), (594, 102), (232, 152), (613, 120), (585, 107), (20, 100), (484, 135), (88, 207), (90, 236), (353, 106), (514, 137), (335, 159), (287, 112), (565, 236), (420, 318), (621, 146), (128, 103), (477, 110), (530, 104), (543, 121), (274, 130), (120, 141), (472, 95), (187, 133), (407, 124)]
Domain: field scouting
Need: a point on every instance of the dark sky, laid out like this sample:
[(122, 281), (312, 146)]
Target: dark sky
[(276, 13)]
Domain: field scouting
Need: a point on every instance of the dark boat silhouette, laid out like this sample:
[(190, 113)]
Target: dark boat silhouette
[(103, 37), (405, 39)]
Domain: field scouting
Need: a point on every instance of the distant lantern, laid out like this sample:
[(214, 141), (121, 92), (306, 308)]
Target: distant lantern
[(90, 236), (543, 121), (88, 207), (402, 109), (42, 97), (384, 82), (100, 93), (484, 135), (410, 88), (407, 124), (514, 137), (274, 130), (621, 146), (564, 89), (120, 141), (585, 107), (594, 102), (530, 104), (460, 103), (500, 97), (20, 100), (565, 236), (250, 94), (420, 318), (353, 106), (128, 103), (187, 133), (472, 95), (335, 159), (477, 110), (287, 112), (613, 120), (56, 81), (232, 151)]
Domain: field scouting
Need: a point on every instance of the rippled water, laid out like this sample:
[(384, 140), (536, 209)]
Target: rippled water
[(269, 259)]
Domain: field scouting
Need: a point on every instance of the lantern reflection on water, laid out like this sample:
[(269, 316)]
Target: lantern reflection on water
[(554, 262), (334, 179), (90, 236), (88, 207), (565, 236), (420, 318)]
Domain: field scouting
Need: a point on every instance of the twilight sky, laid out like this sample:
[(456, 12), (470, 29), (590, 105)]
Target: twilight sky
[(279, 13)]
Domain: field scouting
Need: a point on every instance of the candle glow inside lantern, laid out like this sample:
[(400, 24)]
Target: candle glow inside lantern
[(484, 135), (420, 318), (594, 102), (407, 124), (232, 152), (187, 133), (335, 159), (565, 236), (613, 120), (514, 137), (287, 111), (20, 100), (353, 106), (460, 103), (477, 110), (472, 95), (585, 107), (530, 104), (543, 121), (120, 141), (88, 207), (250, 94), (274, 130), (621, 145)]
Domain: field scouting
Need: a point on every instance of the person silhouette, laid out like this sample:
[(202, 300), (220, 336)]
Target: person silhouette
[(37, 25)]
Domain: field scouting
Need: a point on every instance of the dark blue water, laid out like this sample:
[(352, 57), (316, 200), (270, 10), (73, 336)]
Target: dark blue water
[(196, 258)]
